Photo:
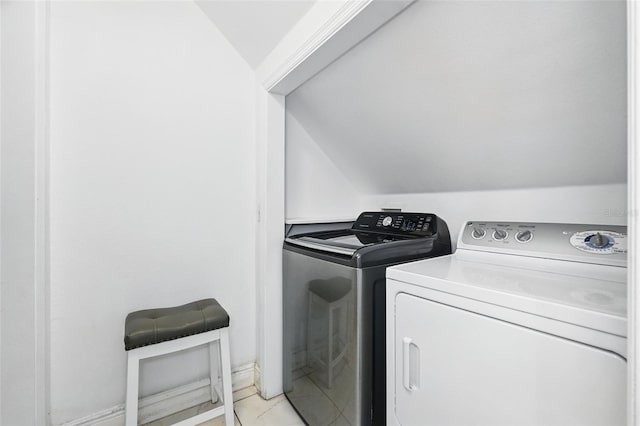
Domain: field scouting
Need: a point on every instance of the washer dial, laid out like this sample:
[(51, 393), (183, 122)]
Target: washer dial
[(387, 221), (599, 241)]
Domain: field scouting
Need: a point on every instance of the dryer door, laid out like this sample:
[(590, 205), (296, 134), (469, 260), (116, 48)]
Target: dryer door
[(455, 367)]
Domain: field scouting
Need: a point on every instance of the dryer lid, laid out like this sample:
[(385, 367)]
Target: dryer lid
[(592, 296)]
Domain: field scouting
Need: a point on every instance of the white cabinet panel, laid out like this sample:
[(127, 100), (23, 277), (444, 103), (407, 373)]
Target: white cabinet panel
[(455, 367)]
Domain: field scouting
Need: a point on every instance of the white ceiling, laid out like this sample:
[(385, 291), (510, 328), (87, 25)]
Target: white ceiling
[(254, 27), (466, 95)]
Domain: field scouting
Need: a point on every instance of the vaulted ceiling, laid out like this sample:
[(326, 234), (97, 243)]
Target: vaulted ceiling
[(466, 95), (254, 27)]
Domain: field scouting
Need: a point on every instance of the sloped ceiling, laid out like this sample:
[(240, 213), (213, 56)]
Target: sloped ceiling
[(458, 96), (254, 27)]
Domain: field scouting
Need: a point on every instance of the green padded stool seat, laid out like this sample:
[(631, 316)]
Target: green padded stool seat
[(154, 332), (152, 326)]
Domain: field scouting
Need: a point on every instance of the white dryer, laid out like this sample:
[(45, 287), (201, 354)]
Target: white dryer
[(524, 325)]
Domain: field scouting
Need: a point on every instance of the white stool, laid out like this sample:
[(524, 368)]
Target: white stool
[(156, 332)]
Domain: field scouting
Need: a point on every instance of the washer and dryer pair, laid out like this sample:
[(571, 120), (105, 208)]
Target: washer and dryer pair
[(525, 324)]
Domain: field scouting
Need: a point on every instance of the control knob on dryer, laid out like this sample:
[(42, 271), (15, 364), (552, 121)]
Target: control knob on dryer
[(524, 236), (598, 240), (478, 233), (500, 234)]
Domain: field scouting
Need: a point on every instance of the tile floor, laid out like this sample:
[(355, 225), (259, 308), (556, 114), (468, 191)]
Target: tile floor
[(321, 405), (250, 410)]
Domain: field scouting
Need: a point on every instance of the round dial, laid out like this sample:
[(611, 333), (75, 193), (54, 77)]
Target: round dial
[(500, 234), (478, 233), (524, 236), (599, 241), (387, 221)]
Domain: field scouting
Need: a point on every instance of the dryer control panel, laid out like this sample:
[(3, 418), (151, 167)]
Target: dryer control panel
[(600, 244)]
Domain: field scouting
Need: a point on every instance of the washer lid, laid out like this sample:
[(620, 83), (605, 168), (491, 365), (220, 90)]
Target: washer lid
[(592, 296), (345, 242)]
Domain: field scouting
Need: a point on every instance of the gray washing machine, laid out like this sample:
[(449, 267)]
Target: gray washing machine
[(334, 310)]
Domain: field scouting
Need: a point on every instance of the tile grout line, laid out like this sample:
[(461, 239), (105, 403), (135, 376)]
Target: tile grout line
[(274, 405), (326, 395), (243, 398), (235, 414)]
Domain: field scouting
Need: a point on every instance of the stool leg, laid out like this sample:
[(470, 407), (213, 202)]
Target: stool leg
[(330, 350), (309, 330), (214, 371), (131, 415), (225, 361)]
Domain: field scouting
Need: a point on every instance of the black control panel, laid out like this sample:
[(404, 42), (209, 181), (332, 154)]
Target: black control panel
[(418, 224)]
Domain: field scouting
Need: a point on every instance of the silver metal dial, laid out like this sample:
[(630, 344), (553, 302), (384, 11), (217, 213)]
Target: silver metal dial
[(524, 236), (500, 234), (387, 221), (478, 233), (599, 241)]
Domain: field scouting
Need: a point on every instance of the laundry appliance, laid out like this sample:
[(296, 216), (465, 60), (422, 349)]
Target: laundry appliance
[(524, 325), (334, 318)]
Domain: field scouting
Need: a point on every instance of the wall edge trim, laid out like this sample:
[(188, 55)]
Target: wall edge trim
[(341, 17)]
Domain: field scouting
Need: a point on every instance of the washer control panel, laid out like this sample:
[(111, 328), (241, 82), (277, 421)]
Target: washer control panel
[(601, 244), (415, 224)]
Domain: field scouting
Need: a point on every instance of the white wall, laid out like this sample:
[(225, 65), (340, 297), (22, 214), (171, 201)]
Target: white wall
[(594, 204), (243, 23), (471, 110), (152, 190), (470, 96), (21, 262), (18, 213), (315, 187)]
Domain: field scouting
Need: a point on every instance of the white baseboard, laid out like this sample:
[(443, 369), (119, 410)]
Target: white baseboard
[(257, 381), (244, 376), (162, 404)]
